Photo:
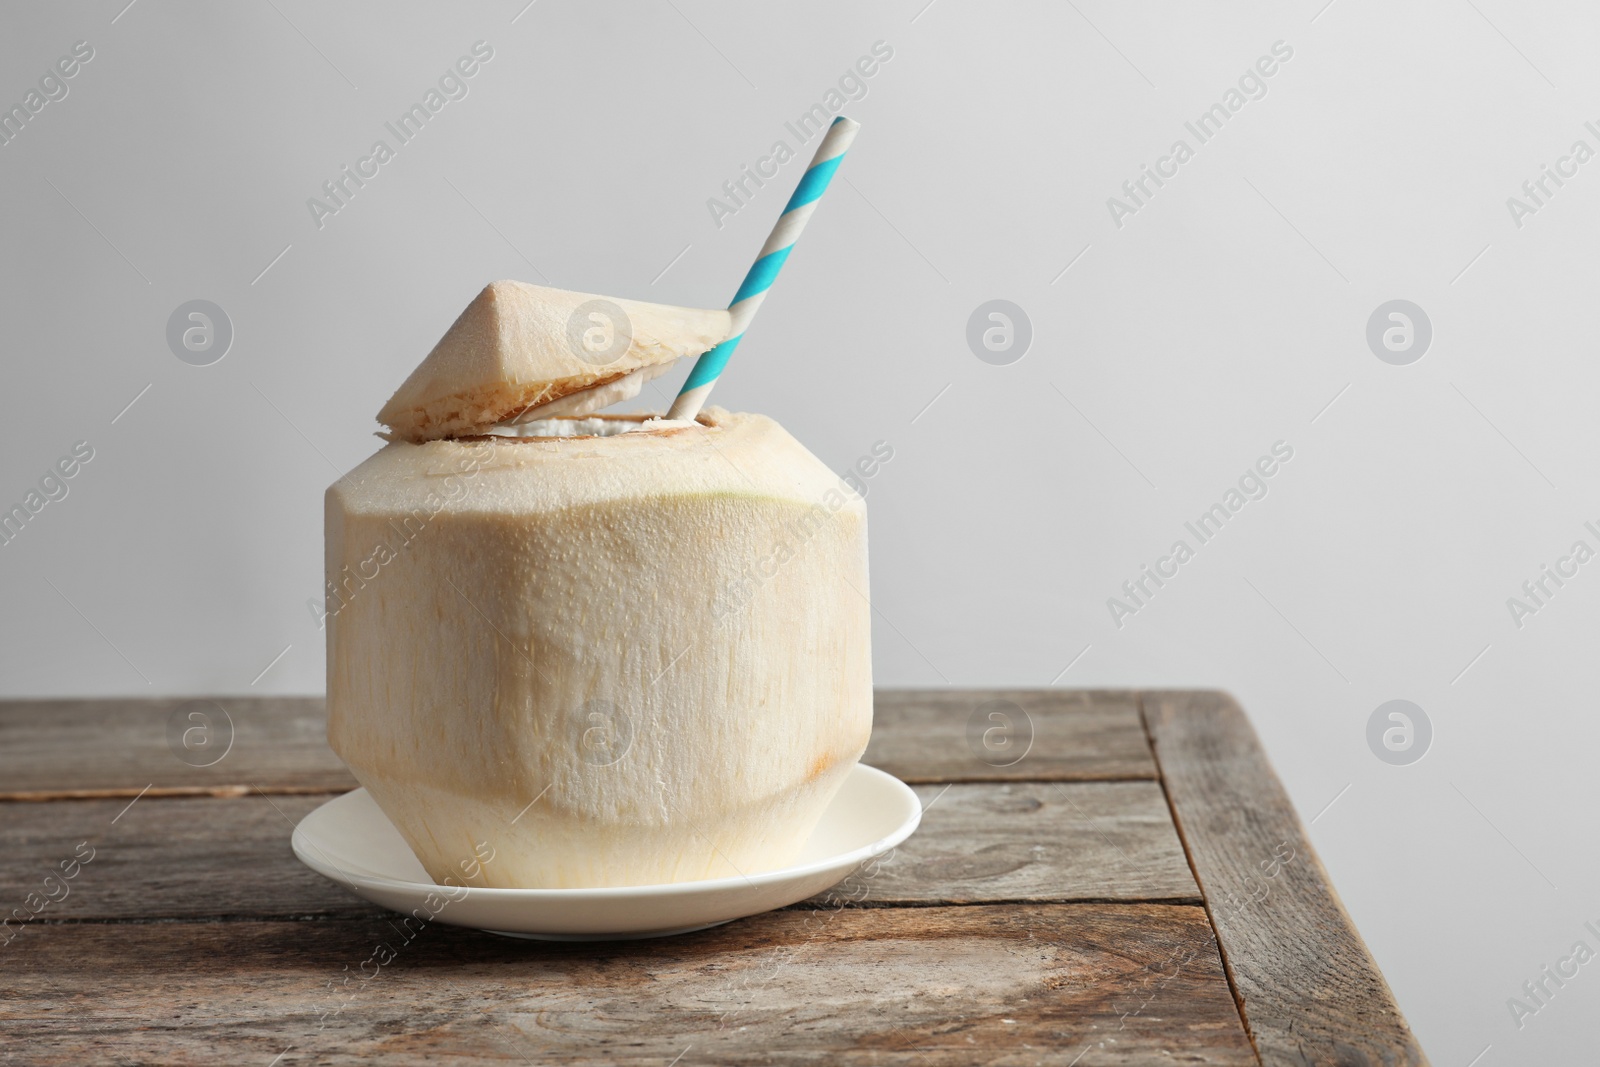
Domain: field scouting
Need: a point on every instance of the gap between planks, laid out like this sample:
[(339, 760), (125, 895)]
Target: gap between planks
[(1305, 985), (804, 905), (227, 792), (220, 792), (1188, 856)]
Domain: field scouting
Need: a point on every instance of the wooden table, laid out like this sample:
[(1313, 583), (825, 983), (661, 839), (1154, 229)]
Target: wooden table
[(1135, 889)]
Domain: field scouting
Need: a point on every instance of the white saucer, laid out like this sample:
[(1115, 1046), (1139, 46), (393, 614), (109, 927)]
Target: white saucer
[(350, 841)]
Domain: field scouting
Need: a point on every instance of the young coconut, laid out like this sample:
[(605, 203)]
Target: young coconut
[(618, 651), (518, 349)]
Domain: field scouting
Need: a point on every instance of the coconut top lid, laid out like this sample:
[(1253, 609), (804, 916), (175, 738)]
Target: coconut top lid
[(519, 347)]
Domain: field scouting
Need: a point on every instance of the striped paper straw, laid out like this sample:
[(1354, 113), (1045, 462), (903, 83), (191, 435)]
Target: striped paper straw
[(767, 265)]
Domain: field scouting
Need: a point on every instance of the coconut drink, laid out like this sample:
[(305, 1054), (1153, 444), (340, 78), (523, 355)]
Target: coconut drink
[(621, 650), (600, 650)]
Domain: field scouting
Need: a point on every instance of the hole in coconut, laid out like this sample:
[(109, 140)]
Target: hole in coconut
[(588, 426)]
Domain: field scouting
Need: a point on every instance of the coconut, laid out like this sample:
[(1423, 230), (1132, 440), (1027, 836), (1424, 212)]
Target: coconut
[(617, 651), (518, 349)]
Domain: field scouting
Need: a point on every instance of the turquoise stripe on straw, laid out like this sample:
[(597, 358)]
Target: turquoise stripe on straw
[(764, 271), (762, 274), (813, 183), (709, 365)]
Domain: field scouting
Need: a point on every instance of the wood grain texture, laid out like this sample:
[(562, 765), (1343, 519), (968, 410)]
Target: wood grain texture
[(1033, 841), (66, 748), (86, 748), (1040, 913), (192, 858), (166, 858), (1090, 984), (1308, 988), (947, 735)]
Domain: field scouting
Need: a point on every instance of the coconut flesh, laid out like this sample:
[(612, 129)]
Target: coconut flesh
[(617, 650)]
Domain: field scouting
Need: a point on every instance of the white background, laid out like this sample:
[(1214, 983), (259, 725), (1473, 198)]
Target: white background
[(1222, 317)]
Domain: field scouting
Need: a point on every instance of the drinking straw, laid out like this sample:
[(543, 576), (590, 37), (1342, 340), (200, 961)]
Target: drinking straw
[(767, 265)]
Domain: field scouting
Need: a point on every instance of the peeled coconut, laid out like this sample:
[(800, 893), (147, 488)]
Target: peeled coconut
[(518, 349), (618, 651)]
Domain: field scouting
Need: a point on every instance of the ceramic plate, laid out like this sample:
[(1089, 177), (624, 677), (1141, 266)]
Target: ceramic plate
[(350, 841)]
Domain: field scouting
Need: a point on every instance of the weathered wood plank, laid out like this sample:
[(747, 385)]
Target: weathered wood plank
[(190, 858), (164, 858), (86, 748), (949, 735), (1307, 986), (1034, 841), (55, 748), (1089, 984), (1069, 821)]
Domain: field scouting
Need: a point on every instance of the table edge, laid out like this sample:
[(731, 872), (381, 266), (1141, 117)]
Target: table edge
[(1175, 719)]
